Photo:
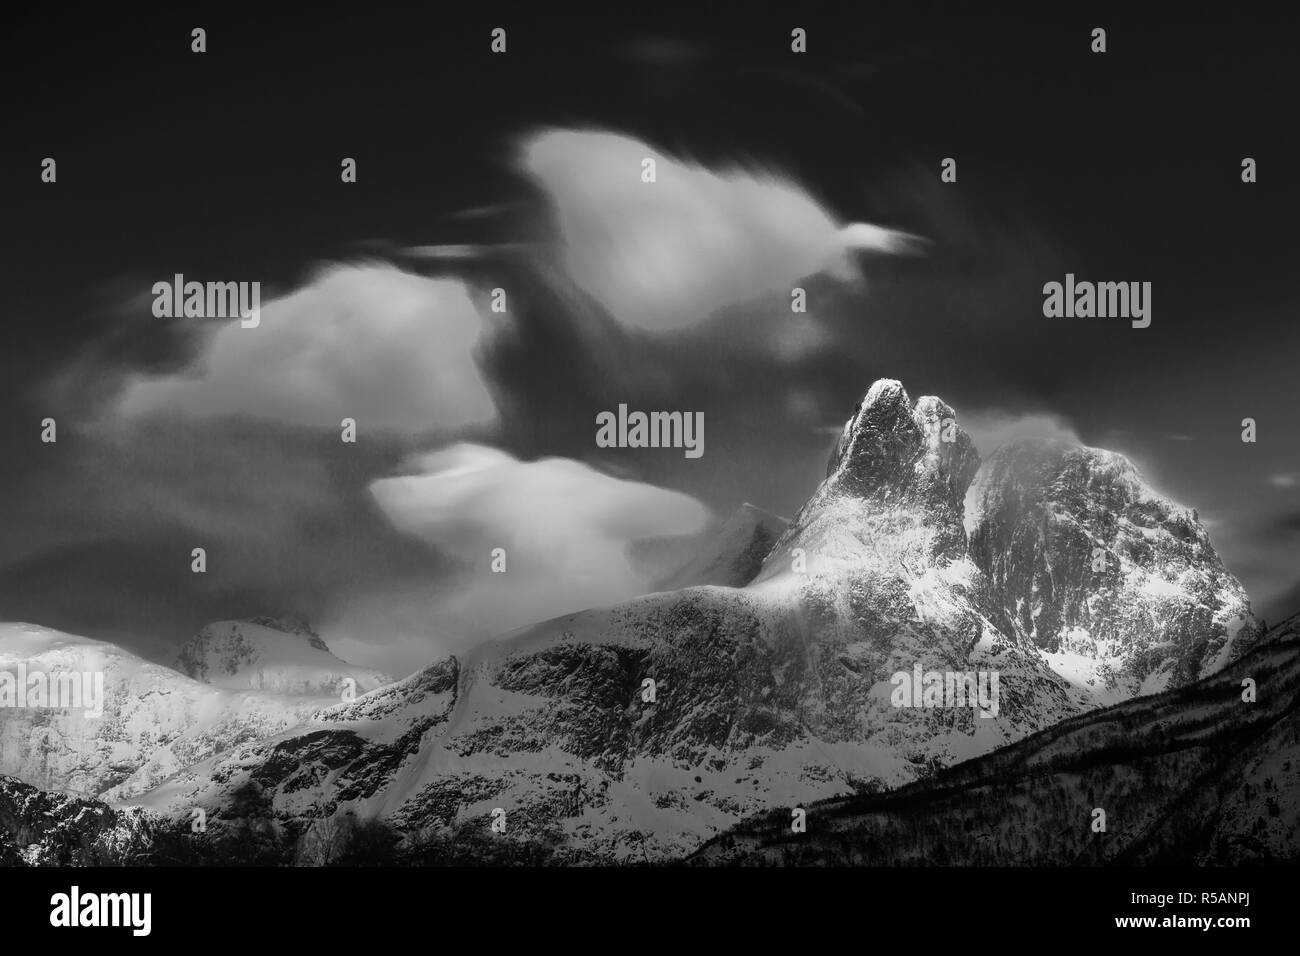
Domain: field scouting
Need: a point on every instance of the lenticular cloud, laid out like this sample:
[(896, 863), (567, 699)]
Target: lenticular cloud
[(666, 254), (390, 349), (564, 528)]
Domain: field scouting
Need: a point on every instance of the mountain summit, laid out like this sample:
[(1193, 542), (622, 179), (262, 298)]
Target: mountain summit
[(894, 486), (890, 448)]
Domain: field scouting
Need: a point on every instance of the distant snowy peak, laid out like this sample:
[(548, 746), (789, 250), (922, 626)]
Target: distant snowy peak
[(142, 723), (734, 554), (271, 654), (1084, 558)]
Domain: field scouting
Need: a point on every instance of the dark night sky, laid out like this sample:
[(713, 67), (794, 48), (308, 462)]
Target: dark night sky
[(1124, 166)]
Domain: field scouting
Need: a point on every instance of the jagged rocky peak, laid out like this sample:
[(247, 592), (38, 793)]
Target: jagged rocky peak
[(1085, 559), (890, 447), (893, 490)]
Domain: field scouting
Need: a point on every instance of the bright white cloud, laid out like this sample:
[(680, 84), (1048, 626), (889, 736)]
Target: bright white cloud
[(667, 254), (388, 348), (565, 527)]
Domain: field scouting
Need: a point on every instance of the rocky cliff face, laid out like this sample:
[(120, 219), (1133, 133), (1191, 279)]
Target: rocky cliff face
[(55, 829), (892, 453), (1117, 585), (893, 488)]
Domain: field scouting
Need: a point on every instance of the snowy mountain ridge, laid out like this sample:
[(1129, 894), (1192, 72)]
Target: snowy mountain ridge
[(639, 731), (156, 721)]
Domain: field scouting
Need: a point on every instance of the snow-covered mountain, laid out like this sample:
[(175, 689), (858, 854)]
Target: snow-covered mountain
[(1227, 768), (780, 692), (155, 721), (1116, 584), (1206, 774), (282, 656)]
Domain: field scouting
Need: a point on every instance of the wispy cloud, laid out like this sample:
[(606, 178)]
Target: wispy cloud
[(991, 428)]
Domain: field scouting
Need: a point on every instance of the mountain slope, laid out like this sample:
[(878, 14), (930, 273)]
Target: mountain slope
[(38, 828), (1194, 775), (155, 721)]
